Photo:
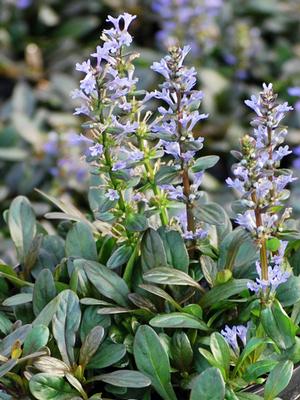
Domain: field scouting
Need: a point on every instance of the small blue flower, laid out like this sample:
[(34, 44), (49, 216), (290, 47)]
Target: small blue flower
[(96, 150), (112, 195), (232, 334), (276, 276)]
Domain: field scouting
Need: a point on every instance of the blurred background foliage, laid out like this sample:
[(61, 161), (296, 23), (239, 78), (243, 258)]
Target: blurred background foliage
[(236, 45)]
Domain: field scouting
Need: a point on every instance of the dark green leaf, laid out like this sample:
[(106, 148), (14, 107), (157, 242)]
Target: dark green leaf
[(136, 223), (181, 350), (175, 249), (161, 293), (208, 386), (166, 175), (90, 345), (107, 282), (221, 352), (288, 293), (46, 315), (80, 242), (119, 256), (278, 326), (124, 378), (178, 320), (223, 292), (152, 360), (65, 324), (170, 276), (5, 324), (49, 387), (44, 290), (153, 254), (36, 339), (22, 225), (278, 379), (90, 319), (203, 163), (209, 269), (108, 354), (259, 368), (211, 213)]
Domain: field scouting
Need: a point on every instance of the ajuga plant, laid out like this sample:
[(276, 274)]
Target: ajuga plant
[(154, 294)]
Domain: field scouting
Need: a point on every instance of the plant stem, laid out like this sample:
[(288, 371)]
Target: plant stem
[(149, 169), (185, 171), (263, 246)]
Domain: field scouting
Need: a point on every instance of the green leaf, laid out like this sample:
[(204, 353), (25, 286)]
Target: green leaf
[(37, 338), (211, 213), (181, 351), (248, 396), (8, 273), (166, 175), (153, 254), (51, 365), (209, 269), (223, 292), (119, 256), (107, 282), (90, 319), (230, 248), (178, 320), (6, 367), (175, 249), (49, 387), (90, 345), (250, 347), (208, 386), (221, 352), (161, 293), (278, 379), (17, 299), (203, 163), (152, 360), (5, 324), (22, 226), (44, 290), (288, 293), (170, 276), (136, 223), (259, 368), (65, 324), (46, 315), (80, 242), (124, 378), (278, 326), (108, 354), (18, 334)]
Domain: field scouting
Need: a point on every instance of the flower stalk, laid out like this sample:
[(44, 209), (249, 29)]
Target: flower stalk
[(262, 184)]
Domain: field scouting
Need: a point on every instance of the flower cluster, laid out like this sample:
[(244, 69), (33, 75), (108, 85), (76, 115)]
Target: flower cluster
[(118, 125), (233, 334), (190, 22), (258, 178), (174, 128)]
